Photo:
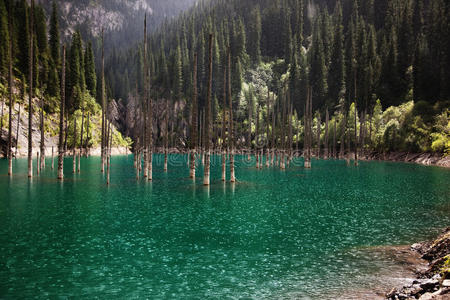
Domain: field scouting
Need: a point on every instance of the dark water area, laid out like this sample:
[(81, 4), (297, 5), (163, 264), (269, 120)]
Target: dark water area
[(296, 233)]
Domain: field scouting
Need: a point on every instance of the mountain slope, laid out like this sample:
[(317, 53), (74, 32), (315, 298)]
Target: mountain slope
[(121, 19)]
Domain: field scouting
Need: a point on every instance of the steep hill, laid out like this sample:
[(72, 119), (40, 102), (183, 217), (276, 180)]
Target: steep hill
[(121, 19)]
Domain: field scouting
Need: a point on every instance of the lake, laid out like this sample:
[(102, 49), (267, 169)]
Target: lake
[(296, 233)]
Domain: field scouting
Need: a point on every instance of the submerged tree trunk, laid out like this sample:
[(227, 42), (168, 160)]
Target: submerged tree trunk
[(224, 127), (42, 161), (194, 121), (1, 117), (232, 172), (267, 130), (327, 117), (166, 137), (319, 121), (102, 95), (334, 139), (108, 150), (61, 117), (74, 149), (80, 149), (11, 101), (30, 99), (206, 176)]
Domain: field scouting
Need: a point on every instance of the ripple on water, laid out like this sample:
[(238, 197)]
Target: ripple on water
[(296, 234)]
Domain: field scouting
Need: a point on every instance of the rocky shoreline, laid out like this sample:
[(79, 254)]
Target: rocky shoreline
[(433, 283), (427, 159)]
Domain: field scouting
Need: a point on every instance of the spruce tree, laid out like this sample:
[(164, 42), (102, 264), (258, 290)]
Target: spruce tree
[(22, 28), (89, 69)]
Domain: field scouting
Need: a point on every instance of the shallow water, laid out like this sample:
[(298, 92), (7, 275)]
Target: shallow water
[(275, 234)]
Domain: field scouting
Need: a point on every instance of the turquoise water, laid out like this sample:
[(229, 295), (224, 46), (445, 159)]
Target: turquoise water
[(275, 234)]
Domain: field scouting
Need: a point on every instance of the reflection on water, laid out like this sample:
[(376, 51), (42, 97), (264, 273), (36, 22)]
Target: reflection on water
[(292, 234)]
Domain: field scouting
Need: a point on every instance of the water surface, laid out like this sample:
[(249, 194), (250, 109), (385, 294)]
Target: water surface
[(275, 234)]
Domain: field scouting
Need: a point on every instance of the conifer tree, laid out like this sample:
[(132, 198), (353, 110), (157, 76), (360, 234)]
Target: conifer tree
[(89, 69), (254, 35), (61, 117)]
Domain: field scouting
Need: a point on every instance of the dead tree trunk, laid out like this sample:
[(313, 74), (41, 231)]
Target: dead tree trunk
[(61, 117), (194, 121), (74, 147), (42, 161), (11, 100), (102, 95), (232, 171), (327, 117), (206, 176), (30, 95), (224, 127)]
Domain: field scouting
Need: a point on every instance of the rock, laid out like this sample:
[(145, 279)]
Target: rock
[(426, 296), (439, 248), (436, 277), (446, 283), (429, 285)]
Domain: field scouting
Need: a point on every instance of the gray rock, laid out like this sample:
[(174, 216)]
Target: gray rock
[(429, 285), (446, 283), (426, 296)]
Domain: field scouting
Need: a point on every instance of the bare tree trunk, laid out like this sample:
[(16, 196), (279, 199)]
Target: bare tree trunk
[(334, 139), (61, 118), (108, 151), (232, 171), (206, 176), (150, 134), (166, 137), (66, 131), (319, 121), (74, 144), (86, 150), (224, 127), (103, 103), (308, 129), (257, 136), (194, 121), (81, 138), (267, 130), (11, 100), (273, 130), (1, 117), (37, 162), (327, 117), (290, 138), (42, 161), (53, 158), (30, 99), (356, 130)]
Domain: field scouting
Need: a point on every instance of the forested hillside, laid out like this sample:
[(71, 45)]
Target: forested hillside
[(121, 19), (347, 51)]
